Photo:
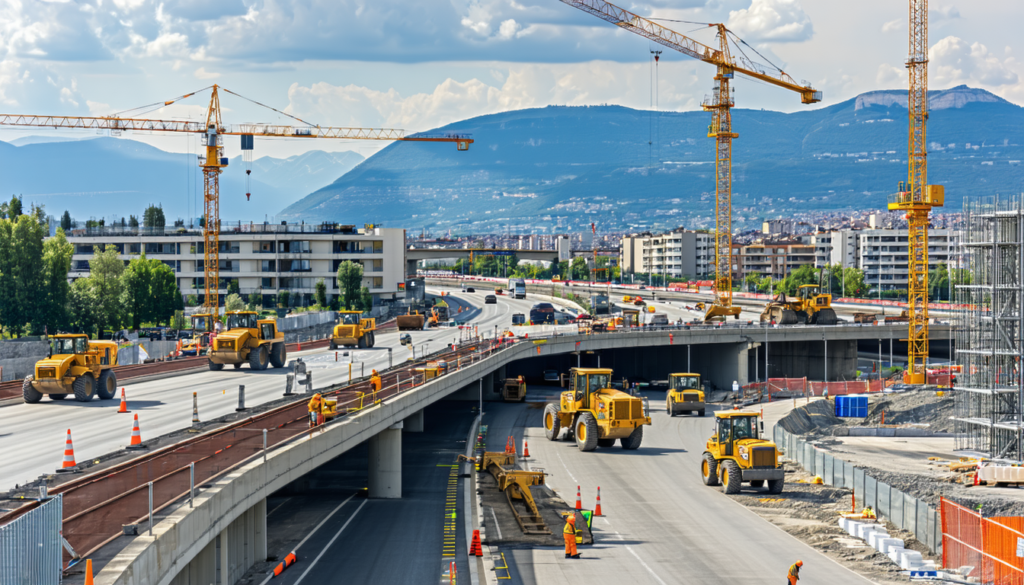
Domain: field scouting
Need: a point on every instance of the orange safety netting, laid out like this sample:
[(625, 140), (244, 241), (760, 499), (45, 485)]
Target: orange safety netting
[(991, 546)]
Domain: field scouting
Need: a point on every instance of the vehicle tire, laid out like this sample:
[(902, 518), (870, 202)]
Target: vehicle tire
[(237, 366), (605, 443), (732, 477), (373, 339), (215, 367), (552, 424), (632, 442), (259, 358), (361, 344), (84, 386), (700, 412), (331, 345), (57, 396), (668, 407), (756, 483), (775, 485), (278, 355), (709, 470), (107, 388), (30, 394), (586, 432)]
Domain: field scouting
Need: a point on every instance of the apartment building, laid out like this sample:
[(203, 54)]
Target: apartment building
[(263, 258), (677, 254), (836, 247), (884, 258), (775, 259)]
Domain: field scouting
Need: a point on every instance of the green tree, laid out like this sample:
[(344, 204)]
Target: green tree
[(350, 281), (233, 287), (137, 281), (579, 270), (255, 300), (192, 301), (65, 221), (282, 299), (365, 299), (751, 281), (154, 217), (9, 307), (14, 208), (234, 302), (178, 321), (133, 221), (81, 306), (28, 277), (57, 252), (320, 293), (938, 283), (105, 272), (806, 274), (854, 284), (166, 295)]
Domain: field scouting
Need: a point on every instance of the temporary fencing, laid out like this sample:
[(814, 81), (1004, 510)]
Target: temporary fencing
[(31, 546), (778, 388), (991, 547), (902, 509)]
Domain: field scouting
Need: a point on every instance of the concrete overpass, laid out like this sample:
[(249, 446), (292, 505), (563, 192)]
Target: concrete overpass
[(414, 255), (229, 516)]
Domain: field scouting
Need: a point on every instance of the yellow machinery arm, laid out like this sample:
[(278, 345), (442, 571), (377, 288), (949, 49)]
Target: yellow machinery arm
[(214, 162), (719, 104)]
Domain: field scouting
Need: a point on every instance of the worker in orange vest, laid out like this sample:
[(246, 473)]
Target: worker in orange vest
[(315, 405), (375, 381), (794, 572), (569, 533)]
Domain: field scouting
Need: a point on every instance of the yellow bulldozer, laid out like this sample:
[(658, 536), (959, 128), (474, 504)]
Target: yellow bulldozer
[(595, 413), (248, 339), (737, 454), (810, 307), (352, 329), (684, 395), (199, 343), (76, 366)]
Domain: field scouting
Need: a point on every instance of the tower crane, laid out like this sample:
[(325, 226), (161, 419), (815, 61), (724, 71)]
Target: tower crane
[(212, 132), (916, 197), (720, 104)]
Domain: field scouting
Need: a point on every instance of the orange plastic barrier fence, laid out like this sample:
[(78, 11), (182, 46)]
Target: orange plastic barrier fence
[(990, 545)]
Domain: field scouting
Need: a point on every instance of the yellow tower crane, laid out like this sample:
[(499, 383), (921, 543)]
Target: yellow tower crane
[(720, 104), (916, 197), (213, 131)]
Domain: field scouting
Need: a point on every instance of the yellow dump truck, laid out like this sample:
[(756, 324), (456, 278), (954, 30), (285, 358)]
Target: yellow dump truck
[(684, 395), (76, 366), (352, 329), (737, 454), (413, 320), (595, 413), (248, 339), (811, 307), (199, 343)]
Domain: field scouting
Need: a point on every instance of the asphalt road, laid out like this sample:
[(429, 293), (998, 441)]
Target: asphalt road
[(32, 435), (369, 540), (661, 524)]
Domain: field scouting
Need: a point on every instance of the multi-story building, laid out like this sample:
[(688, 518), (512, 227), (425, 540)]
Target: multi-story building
[(676, 254), (775, 259), (836, 247), (884, 257), (263, 258)]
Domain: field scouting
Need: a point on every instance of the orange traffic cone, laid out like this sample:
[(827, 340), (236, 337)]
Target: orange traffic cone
[(136, 435), (289, 560), (124, 403), (300, 345), (88, 572), (597, 509), (975, 472), (526, 449), (475, 548), (69, 456), (579, 502)]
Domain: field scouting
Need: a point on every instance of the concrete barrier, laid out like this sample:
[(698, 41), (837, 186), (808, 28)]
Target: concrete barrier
[(18, 357)]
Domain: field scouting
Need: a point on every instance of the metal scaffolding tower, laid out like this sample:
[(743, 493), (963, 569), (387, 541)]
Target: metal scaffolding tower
[(989, 395)]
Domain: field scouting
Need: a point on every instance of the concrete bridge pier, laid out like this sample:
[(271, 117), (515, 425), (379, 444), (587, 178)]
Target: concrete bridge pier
[(414, 424), (385, 473), (729, 364), (798, 359), (235, 549)]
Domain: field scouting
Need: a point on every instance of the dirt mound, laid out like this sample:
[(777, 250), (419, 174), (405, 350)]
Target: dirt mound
[(915, 407), (810, 417)]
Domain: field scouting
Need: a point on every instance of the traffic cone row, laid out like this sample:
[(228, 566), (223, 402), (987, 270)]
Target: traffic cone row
[(136, 442), (579, 501), (510, 446), (69, 456), (124, 403), (475, 548)]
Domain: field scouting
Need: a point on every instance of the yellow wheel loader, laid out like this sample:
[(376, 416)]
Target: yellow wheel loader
[(684, 395), (76, 366), (352, 329), (810, 307), (595, 413), (737, 454), (248, 339)]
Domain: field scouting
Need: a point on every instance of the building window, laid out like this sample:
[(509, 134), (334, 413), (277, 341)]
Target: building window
[(267, 282), (268, 266)]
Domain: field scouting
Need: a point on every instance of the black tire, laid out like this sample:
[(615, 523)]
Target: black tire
[(30, 394), (732, 477), (756, 483), (373, 339), (57, 396), (605, 443), (361, 344), (259, 358), (552, 424), (278, 355), (586, 432), (84, 386), (709, 470), (107, 388), (237, 366), (632, 442), (331, 345), (215, 367), (668, 407), (775, 485), (700, 412)]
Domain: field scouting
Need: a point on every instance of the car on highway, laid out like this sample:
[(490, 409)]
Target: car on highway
[(542, 313), (551, 376), (470, 289), (490, 300), (518, 319)]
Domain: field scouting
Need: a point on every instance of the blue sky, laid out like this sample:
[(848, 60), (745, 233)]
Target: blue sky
[(420, 64)]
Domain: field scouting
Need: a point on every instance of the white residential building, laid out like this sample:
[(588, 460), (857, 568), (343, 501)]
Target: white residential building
[(676, 254)]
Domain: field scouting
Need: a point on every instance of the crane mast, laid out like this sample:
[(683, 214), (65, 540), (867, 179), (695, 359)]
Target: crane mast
[(916, 197)]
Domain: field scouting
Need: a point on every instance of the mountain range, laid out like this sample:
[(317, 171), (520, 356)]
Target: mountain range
[(561, 168)]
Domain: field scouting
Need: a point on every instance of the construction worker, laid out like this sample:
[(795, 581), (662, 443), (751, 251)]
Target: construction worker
[(794, 572), (868, 513), (375, 381), (315, 406), (569, 533)]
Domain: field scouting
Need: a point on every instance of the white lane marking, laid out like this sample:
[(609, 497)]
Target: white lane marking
[(340, 530), (496, 527), (278, 507), (637, 557), (312, 532), (566, 467)]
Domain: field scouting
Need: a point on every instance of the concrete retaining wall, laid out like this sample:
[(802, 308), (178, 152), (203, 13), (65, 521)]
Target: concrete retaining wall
[(18, 358)]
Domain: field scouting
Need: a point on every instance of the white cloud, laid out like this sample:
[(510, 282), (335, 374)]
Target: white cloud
[(893, 25), (509, 28), (889, 77), (781, 21), (943, 13), (954, 62), (202, 73)]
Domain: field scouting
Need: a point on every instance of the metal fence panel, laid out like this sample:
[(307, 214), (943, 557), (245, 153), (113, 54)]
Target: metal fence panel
[(809, 458), (921, 522), (896, 504), (830, 469), (870, 492), (929, 535), (848, 475), (819, 462), (30, 546), (884, 507), (858, 486), (910, 513)]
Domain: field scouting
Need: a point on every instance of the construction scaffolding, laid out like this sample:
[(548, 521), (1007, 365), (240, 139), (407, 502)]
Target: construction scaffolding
[(990, 334)]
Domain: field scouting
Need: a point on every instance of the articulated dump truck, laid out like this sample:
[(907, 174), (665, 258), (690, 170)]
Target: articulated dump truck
[(248, 339)]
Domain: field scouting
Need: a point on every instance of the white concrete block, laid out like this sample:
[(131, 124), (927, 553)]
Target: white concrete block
[(894, 553), (909, 559), (851, 527), (875, 537), (882, 544), (844, 523), (892, 544), (864, 530)]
